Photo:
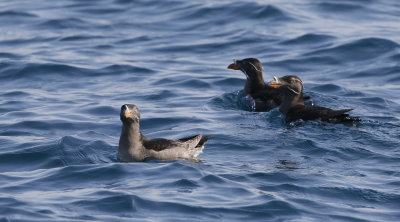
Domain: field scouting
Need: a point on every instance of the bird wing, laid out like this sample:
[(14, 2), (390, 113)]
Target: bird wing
[(186, 139), (196, 141), (318, 113), (191, 142), (159, 144)]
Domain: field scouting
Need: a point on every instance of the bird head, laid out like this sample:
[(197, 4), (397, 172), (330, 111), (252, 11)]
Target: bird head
[(129, 113), (251, 67)]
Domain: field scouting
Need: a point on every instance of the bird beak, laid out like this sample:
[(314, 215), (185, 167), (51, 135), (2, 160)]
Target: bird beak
[(233, 65), (274, 84), (127, 112)]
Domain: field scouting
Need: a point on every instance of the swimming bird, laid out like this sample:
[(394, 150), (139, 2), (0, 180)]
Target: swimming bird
[(293, 105), (134, 146), (264, 96)]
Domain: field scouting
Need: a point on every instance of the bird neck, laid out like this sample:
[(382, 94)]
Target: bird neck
[(131, 137), (254, 83)]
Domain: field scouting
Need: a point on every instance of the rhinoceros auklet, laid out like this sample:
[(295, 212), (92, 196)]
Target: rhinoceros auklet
[(293, 105), (134, 146), (265, 97)]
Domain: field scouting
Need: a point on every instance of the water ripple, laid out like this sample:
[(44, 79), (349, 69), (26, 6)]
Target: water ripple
[(67, 67)]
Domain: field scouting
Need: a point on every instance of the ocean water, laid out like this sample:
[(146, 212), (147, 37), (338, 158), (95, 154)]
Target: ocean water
[(66, 67)]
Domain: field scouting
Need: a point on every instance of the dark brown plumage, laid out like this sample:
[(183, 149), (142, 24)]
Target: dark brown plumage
[(293, 105), (307, 113), (265, 97)]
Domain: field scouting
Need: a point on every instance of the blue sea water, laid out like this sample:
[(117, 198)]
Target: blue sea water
[(67, 66)]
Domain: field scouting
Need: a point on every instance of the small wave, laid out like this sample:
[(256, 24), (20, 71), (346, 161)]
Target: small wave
[(41, 70), (276, 208), (103, 11), (386, 73), (362, 50), (213, 179), (134, 40), (12, 206), (241, 10), (16, 94), (10, 55), (193, 83), (230, 101), (42, 125), (342, 7), (101, 111), (54, 70), (26, 41), (160, 95), (375, 102), (117, 203), (14, 14), (185, 183), (182, 185), (157, 124), (64, 23), (327, 88), (124, 2), (308, 39), (38, 157), (68, 176), (231, 82), (394, 79), (395, 57), (271, 12), (120, 69), (67, 151), (307, 63), (358, 50), (194, 48), (276, 176), (80, 38), (357, 195)]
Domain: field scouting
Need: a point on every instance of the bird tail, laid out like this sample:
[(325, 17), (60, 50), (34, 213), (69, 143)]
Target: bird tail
[(347, 118), (203, 141), (344, 110)]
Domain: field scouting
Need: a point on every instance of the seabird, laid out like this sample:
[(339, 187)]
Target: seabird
[(134, 146), (265, 97), (293, 105)]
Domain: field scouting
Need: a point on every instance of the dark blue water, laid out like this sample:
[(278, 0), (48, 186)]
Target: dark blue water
[(67, 66)]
